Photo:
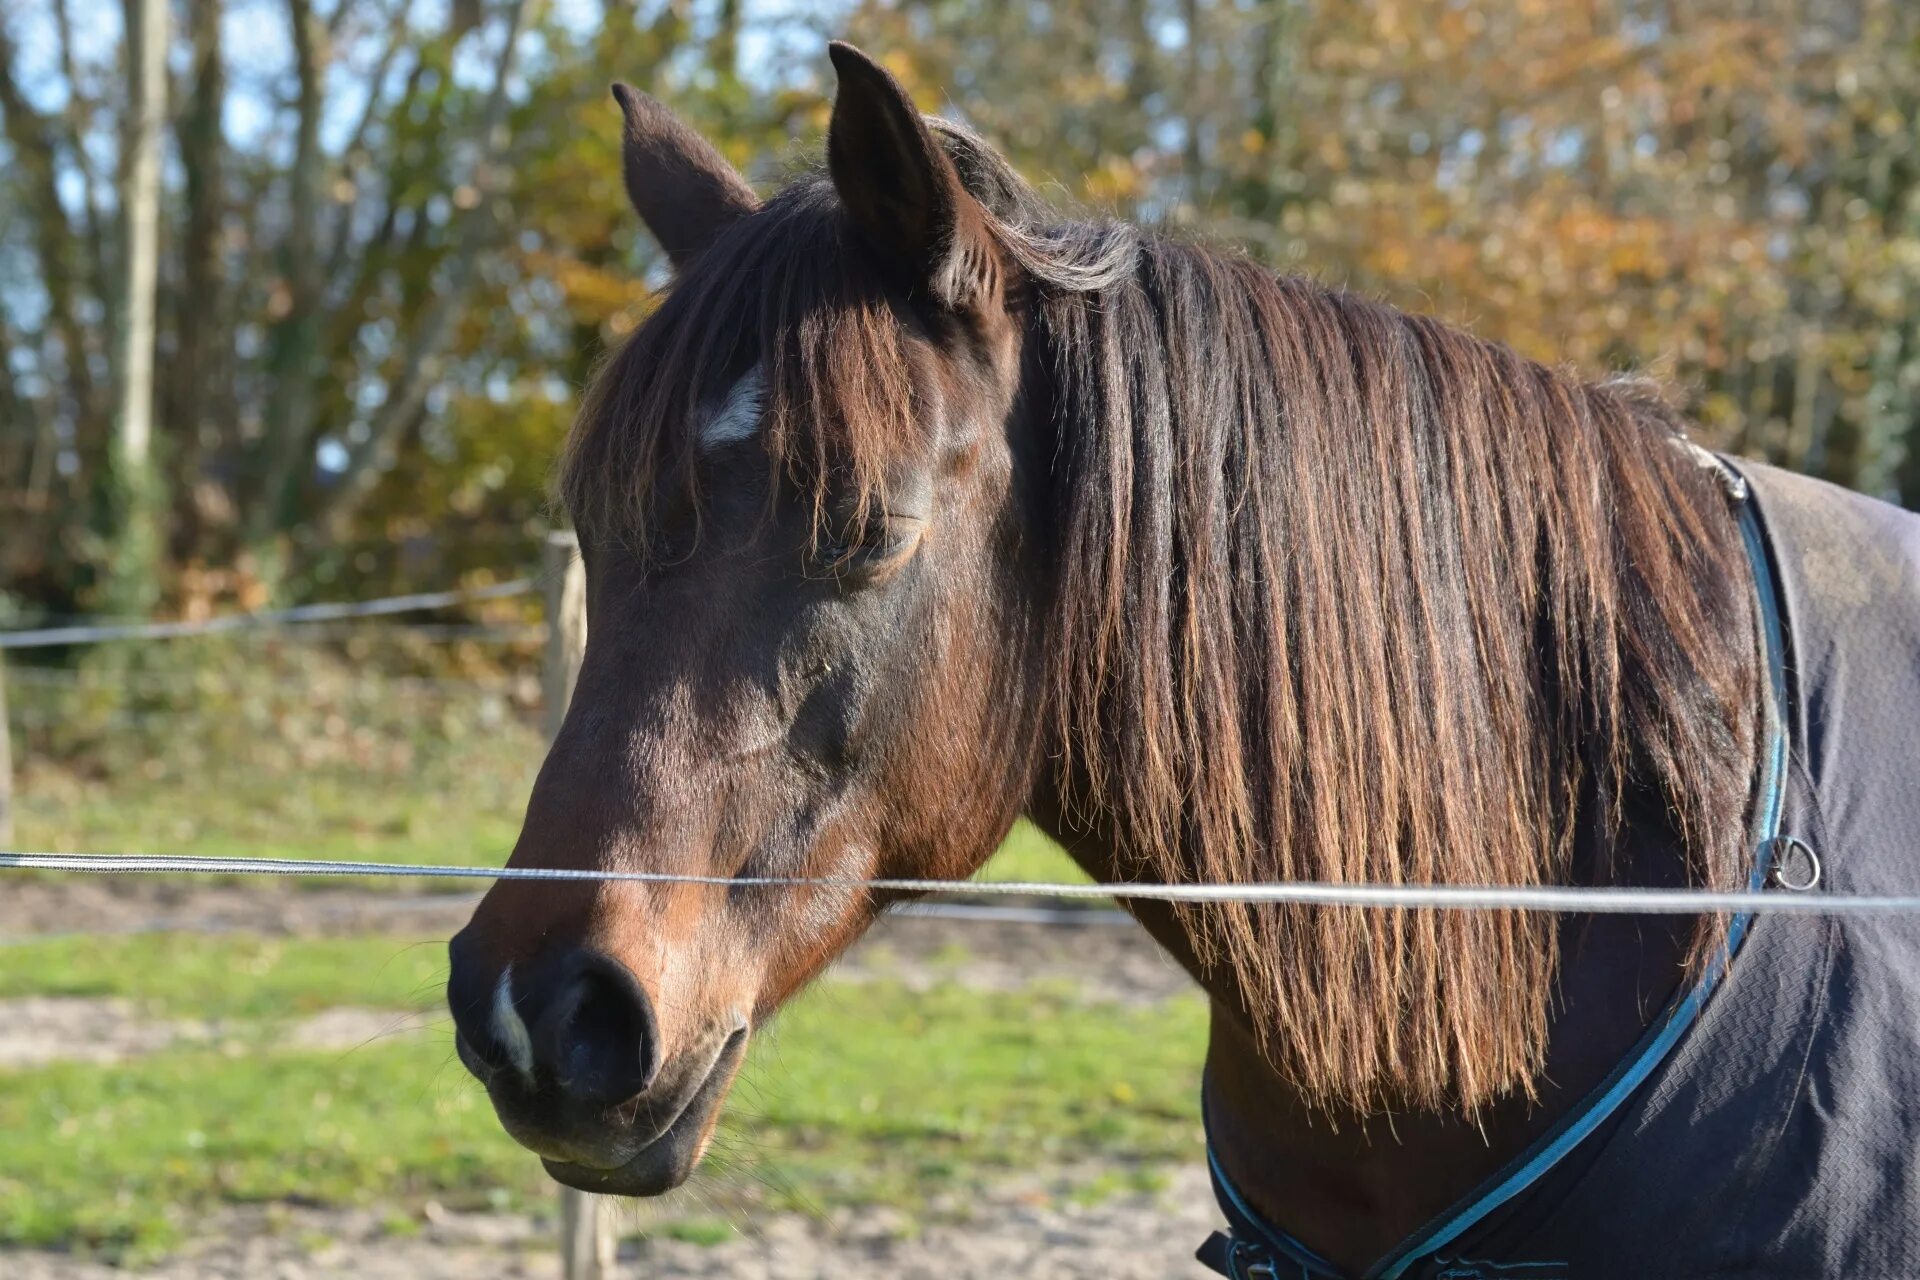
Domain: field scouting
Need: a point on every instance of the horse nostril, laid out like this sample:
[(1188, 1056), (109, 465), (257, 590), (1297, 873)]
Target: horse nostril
[(596, 1039), (475, 1003)]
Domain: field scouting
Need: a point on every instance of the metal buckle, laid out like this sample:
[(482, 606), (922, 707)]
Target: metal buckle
[(1250, 1262)]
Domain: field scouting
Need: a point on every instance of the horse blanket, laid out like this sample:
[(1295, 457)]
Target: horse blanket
[(1779, 1136)]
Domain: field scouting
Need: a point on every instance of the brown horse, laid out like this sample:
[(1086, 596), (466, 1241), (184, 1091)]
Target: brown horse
[(918, 506)]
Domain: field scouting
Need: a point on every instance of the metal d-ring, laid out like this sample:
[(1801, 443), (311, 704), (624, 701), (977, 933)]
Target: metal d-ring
[(1796, 867)]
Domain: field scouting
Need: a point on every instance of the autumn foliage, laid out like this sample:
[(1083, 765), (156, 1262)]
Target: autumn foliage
[(396, 244)]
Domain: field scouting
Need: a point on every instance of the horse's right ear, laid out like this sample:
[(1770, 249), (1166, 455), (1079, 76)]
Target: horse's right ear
[(681, 187), (901, 189)]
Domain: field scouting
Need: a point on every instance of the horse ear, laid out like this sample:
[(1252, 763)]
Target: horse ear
[(682, 188), (901, 189)]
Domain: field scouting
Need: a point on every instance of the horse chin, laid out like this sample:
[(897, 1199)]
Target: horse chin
[(669, 1158)]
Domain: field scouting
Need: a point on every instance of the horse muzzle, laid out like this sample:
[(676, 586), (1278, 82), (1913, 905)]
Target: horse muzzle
[(571, 1058)]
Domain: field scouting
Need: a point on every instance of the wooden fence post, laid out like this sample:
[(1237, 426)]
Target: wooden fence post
[(586, 1228), (586, 1236), (565, 582), (6, 764)]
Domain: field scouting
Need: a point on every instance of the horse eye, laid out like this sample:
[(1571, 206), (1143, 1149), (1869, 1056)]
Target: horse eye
[(883, 544)]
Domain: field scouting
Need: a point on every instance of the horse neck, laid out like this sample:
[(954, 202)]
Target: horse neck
[(1350, 1184)]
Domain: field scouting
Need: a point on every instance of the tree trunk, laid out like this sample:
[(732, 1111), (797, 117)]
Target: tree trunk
[(295, 367), (200, 312), (134, 575)]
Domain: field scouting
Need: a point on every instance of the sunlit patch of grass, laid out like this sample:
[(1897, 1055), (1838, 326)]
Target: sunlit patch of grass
[(399, 1225), (1143, 1178)]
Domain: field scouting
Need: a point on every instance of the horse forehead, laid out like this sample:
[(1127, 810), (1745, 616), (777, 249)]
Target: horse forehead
[(738, 413)]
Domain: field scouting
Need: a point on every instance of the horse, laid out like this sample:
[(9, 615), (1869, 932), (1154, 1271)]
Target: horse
[(919, 505)]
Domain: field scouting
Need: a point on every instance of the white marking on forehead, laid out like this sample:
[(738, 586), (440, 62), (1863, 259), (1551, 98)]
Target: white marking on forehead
[(738, 416)]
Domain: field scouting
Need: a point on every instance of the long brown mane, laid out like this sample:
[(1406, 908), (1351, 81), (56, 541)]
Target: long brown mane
[(1341, 594)]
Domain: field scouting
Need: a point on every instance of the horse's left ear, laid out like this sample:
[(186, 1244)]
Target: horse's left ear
[(901, 189), (681, 187)]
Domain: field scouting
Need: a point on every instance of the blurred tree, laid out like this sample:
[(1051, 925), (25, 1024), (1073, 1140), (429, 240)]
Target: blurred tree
[(1723, 192), (389, 261), (397, 244)]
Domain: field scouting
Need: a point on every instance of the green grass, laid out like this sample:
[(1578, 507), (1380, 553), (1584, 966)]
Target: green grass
[(878, 1094), (465, 812), (857, 1095), (461, 819), (706, 1232), (126, 1158), (1029, 855)]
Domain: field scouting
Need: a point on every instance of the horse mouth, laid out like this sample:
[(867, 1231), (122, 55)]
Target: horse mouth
[(669, 1157)]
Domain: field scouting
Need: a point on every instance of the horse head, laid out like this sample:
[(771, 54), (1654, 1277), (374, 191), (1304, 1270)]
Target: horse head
[(809, 631)]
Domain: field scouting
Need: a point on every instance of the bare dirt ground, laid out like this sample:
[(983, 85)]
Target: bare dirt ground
[(40, 1029), (157, 904), (1015, 1231)]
